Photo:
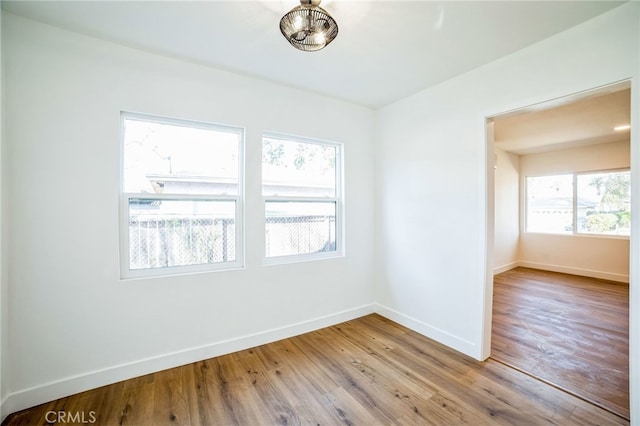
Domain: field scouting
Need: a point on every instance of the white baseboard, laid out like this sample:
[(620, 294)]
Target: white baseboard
[(505, 268), (448, 339), (3, 412), (40, 394), (576, 271)]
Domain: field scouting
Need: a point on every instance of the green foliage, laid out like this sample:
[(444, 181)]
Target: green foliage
[(624, 218), (272, 153), (613, 209), (601, 222), (302, 156), (299, 163), (615, 189), (598, 182)]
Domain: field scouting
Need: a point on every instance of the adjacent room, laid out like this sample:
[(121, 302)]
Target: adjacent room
[(561, 255), (281, 212)]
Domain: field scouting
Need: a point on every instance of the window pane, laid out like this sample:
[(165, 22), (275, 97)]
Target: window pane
[(292, 168), (604, 203), (165, 158), (300, 227), (550, 204), (165, 233)]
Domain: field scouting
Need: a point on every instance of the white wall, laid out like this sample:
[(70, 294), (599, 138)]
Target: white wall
[(73, 324), (507, 210), (3, 280), (436, 272), (607, 156), (593, 256), (634, 266)]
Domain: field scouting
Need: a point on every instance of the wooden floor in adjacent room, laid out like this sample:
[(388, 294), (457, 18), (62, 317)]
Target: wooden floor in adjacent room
[(568, 330), (369, 371)]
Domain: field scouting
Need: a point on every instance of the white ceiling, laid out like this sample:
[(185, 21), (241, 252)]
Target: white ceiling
[(585, 119), (385, 50)]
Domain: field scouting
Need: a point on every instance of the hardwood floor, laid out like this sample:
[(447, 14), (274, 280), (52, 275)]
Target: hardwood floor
[(568, 330), (368, 371)]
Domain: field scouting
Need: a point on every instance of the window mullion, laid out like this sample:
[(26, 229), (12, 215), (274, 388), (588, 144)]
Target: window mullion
[(178, 197), (302, 199), (574, 225)]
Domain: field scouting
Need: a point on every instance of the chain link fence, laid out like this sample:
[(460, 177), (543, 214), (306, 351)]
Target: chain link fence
[(160, 242), (157, 242), (291, 235)]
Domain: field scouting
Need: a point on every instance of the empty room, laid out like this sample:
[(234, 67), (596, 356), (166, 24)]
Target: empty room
[(561, 253), (287, 212)]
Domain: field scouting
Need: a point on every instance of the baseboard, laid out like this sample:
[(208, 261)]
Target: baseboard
[(505, 268), (576, 271), (461, 345), (40, 394), (3, 413)]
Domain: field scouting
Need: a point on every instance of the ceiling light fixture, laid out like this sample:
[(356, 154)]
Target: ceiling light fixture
[(622, 128), (308, 27)]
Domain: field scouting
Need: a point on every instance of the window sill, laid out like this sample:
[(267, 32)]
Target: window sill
[(581, 235), (301, 258), (177, 271)]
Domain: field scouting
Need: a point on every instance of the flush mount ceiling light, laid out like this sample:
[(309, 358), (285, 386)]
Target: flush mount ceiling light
[(308, 27)]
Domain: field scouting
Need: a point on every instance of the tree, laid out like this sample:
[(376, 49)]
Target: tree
[(617, 192), (272, 152), (601, 222), (301, 156), (613, 208), (598, 182)]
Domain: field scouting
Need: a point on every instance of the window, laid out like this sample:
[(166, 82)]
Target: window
[(550, 204), (595, 203), (604, 203), (181, 196), (301, 186)]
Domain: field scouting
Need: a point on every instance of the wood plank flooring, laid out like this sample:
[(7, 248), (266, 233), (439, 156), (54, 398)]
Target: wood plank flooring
[(568, 330), (369, 371)]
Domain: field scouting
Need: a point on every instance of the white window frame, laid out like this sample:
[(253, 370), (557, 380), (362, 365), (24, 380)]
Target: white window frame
[(125, 271), (574, 219), (337, 199)]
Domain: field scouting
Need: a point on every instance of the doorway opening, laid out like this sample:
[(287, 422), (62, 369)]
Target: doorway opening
[(559, 242)]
